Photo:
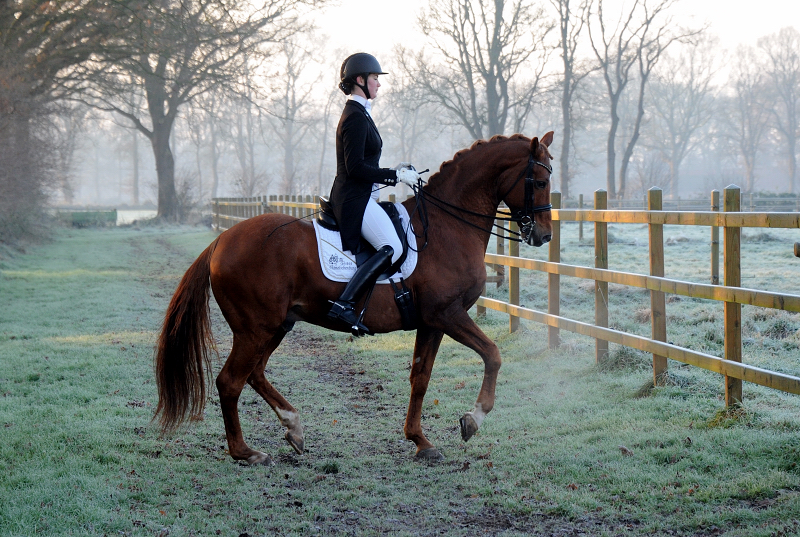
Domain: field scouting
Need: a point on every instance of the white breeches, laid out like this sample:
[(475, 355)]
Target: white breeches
[(379, 231)]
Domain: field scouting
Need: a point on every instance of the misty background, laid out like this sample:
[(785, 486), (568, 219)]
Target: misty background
[(166, 104)]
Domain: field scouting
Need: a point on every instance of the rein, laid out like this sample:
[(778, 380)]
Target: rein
[(525, 217)]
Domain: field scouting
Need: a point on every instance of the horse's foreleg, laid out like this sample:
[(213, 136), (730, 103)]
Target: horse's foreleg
[(230, 382), (465, 331), (287, 414), (425, 349)]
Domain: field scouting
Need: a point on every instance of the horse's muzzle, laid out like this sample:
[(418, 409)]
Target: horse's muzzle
[(533, 240)]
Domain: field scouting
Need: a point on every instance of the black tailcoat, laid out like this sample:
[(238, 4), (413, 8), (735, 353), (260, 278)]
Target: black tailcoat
[(358, 150)]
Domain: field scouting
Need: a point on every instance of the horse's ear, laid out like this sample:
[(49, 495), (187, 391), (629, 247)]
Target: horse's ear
[(547, 139), (534, 145)]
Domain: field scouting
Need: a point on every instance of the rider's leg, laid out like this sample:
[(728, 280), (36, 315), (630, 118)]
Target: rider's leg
[(376, 228)]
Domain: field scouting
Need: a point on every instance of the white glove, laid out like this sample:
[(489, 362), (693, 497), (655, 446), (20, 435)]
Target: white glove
[(403, 165), (407, 176)]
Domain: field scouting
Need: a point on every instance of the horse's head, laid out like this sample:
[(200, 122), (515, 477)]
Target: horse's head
[(528, 195)]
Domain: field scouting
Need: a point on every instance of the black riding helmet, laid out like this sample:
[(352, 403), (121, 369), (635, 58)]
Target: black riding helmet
[(359, 64)]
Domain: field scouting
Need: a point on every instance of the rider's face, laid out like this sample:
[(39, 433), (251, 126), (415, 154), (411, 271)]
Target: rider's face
[(372, 84)]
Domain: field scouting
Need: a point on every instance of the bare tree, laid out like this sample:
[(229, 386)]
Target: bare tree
[(638, 39), (683, 102), (479, 48), (747, 115), (289, 116), (783, 54), (326, 118), (66, 127), (38, 40), (177, 51), (649, 171), (572, 19), (197, 126), (243, 136)]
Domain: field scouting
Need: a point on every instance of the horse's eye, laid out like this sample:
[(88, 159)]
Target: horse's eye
[(541, 184)]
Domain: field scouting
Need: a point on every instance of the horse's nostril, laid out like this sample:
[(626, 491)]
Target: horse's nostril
[(547, 238)]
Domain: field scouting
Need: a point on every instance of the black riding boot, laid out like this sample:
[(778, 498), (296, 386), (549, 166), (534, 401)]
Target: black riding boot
[(364, 278)]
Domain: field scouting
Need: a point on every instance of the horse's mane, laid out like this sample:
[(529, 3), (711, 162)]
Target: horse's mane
[(446, 168)]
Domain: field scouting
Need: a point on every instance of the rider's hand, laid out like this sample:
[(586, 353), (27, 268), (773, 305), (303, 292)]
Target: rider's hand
[(403, 165), (408, 176)]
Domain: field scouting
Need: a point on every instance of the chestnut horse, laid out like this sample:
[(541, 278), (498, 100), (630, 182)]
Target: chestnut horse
[(265, 275)]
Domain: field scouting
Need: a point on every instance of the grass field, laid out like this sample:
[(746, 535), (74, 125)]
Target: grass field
[(571, 448)]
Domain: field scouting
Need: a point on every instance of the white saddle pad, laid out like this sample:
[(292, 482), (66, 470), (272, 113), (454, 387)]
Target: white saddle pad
[(339, 265)]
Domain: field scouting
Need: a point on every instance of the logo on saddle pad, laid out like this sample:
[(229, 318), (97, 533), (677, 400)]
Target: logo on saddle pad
[(338, 262)]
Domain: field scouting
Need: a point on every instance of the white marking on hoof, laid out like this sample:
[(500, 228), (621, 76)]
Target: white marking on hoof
[(478, 414), (290, 420), (260, 458)]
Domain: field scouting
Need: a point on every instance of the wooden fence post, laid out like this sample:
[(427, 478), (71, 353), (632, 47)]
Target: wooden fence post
[(554, 280), (580, 224), (500, 270), (658, 308), (215, 214), (601, 261), (733, 311), (513, 278), (714, 241)]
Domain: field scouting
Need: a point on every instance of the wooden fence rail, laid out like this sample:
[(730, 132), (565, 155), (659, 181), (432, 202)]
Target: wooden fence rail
[(229, 211)]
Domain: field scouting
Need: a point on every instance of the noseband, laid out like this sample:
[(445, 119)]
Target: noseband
[(526, 218)]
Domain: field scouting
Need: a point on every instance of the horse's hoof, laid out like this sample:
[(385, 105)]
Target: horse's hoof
[(296, 442), (468, 426), (430, 454), (260, 458)]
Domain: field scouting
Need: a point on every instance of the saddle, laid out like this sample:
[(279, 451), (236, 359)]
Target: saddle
[(326, 219)]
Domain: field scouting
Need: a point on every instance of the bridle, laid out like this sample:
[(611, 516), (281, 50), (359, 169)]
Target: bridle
[(526, 217)]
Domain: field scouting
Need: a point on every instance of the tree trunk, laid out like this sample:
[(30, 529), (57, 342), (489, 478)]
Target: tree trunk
[(566, 134), (611, 156), (165, 169), (135, 158), (792, 143), (162, 119), (674, 167), (214, 160), (626, 157)]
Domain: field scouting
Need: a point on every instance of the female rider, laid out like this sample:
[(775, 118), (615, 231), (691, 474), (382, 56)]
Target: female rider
[(355, 190)]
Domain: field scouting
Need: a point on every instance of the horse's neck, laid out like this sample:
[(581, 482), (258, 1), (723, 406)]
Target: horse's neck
[(474, 193)]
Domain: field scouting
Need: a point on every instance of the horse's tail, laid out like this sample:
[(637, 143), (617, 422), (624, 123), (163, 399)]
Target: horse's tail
[(182, 353)]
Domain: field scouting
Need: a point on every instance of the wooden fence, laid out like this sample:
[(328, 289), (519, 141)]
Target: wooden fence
[(228, 211), (731, 220)]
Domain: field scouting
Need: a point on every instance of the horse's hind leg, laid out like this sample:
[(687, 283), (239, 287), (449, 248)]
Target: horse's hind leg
[(287, 414), (425, 349), (246, 356)]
